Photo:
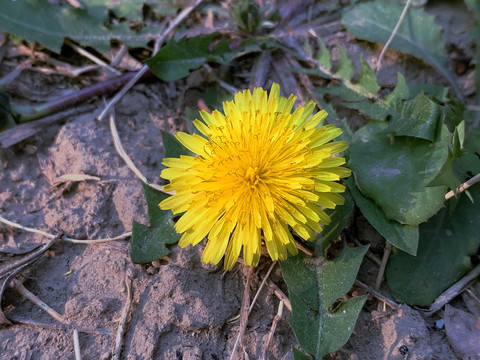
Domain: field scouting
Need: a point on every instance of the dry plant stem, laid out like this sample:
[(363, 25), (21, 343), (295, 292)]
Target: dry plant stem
[(243, 311), (123, 321), (76, 345), (121, 151), (64, 327), (64, 238), (27, 294), (304, 249), (378, 295), (21, 132), (277, 317), (392, 35), (279, 294), (4, 270), (463, 187), (369, 254), (182, 16), (73, 99), (381, 271), (91, 57), (261, 286), (454, 290)]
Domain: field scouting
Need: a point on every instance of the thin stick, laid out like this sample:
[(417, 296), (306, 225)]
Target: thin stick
[(123, 322), (277, 317), (392, 35), (92, 57), (64, 238), (261, 286), (369, 254), (185, 12), (304, 249), (454, 290), (279, 294), (243, 311), (27, 294), (463, 187), (378, 295), (381, 271), (76, 345), (121, 151), (66, 327)]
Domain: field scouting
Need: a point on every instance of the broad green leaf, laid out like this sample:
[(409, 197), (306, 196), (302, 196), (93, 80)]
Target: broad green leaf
[(133, 9), (299, 355), (172, 147), (148, 243), (404, 237), (176, 59), (49, 24), (339, 218), (418, 34), (314, 285), (447, 241), (344, 92), (418, 118), (391, 171)]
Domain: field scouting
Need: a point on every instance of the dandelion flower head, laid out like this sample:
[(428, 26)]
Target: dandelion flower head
[(261, 171)]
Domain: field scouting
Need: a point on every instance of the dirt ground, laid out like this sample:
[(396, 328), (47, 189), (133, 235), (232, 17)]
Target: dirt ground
[(181, 308)]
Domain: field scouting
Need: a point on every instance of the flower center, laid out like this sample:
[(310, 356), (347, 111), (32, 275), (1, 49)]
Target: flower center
[(252, 177)]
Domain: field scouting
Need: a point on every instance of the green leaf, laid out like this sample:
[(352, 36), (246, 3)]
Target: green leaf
[(373, 110), (176, 59), (6, 118), (474, 8), (401, 92), (339, 218), (342, 91), (392, 172), (345, 66), (299, 355), (49, 24), (314, 285), (172, 147), (404, 237), (418, 34), (446, 244), (148, 243), (323, 56), (367, 81), (418, 118)]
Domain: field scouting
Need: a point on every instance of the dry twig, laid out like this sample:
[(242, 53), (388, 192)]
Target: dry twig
[(243, 311), (277, 317), (463, 187), (76, 345), (123, 321), (381, 271), (261, 286), (378, 295)]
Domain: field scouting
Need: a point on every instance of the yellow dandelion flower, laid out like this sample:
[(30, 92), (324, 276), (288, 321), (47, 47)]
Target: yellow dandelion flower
[(260, 172)]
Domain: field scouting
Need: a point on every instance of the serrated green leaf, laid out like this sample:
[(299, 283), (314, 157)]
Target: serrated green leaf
[(172, 147), (367, 81), (446, 244), (404, 237), (418, 34), (313, 286), (49, 24), (148, 243), (417, 117), (345, 66), (401, 92), (323, 56), (176, 59), (339, 218), (372, 110), (344, 92), (391, 171)]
